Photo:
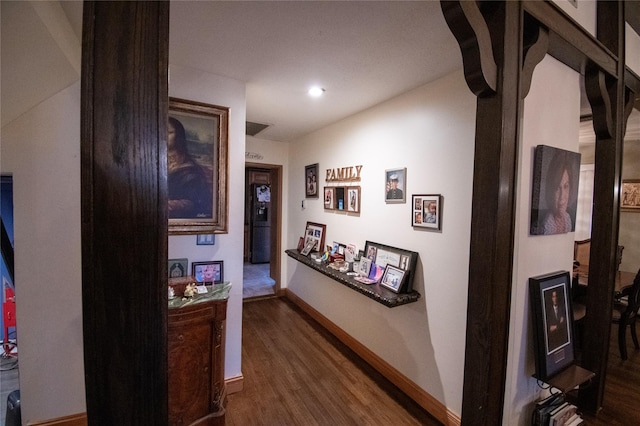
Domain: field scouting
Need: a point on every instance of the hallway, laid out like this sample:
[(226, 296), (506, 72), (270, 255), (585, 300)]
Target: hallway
[(256, 281)]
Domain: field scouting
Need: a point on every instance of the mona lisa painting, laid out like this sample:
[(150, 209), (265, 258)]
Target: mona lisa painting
[(197, 167)]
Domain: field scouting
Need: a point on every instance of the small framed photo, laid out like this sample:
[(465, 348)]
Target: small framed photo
[(364, 268), (329, 197), (206, 239), (208, 272), (309, 244), (426, 211), (314, 232), (630, 200), (300, 244), (178, 268), (311, 181), (353, 199), (395, 185), (393, 278), (552, 323)]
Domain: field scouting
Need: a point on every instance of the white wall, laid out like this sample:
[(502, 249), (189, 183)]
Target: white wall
[(41, 149), (195, 85), (430, 131), (550, 121)]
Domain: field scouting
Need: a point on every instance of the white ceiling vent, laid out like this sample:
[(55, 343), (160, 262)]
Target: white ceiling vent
[(255, 128)]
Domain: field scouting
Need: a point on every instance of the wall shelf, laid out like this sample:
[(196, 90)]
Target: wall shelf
[(372, 291)]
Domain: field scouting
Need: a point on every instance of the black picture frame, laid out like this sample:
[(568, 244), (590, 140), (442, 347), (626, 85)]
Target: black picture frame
[(552, 329), (393, 278), (177, 268), (426, 211), (198, 138), (210, 272), (311, 181), (405, 260)]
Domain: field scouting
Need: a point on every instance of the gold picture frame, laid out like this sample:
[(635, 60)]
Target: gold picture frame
[(197, 150), (630, 199)]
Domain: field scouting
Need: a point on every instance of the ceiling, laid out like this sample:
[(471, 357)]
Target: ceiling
[(361, 52)]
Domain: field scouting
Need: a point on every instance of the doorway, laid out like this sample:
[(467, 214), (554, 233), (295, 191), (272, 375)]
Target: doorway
[(262, 225)]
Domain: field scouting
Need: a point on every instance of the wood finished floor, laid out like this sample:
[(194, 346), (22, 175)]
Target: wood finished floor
[(296, 373)]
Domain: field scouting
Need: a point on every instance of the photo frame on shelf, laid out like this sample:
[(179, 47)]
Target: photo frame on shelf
[(554, 168), (314, 232), (309, 245), (393, 278), (210, 272), (426, 211), (630, 200), (329, 197), (550, 300), (382, 255), (364, 267), (395, 185), (311, 181), (197, 168), (353, 199), (300, 244), (178, 268)]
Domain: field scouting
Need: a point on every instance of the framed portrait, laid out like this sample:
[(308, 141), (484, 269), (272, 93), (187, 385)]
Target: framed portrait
[(393, 278), (552, 323), (309, 245), (205, 239), (554, 195), (311, 181), (395, 185), (197, 146), (178, 268), (314, 232), (329, 197), (353, 199), (630, 200), (426, 211), (208, 272), (364, 267)]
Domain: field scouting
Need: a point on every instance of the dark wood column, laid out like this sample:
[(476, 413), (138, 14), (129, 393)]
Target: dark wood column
[(124, 214), (490, 39)]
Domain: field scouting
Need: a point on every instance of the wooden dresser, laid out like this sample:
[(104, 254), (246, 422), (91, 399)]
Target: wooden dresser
[(196, 359)]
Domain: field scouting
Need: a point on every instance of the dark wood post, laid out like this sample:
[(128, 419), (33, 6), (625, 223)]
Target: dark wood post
[(124, 211)]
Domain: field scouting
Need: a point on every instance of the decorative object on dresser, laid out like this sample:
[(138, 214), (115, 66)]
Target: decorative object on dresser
[(210, 272)]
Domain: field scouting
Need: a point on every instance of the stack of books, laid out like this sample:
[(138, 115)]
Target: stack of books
[(555, 411)]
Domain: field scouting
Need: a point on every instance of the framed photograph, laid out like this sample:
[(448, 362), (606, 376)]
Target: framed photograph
[(353, 199), (300, 244), (208, 272), (395, 184), (382, 255), (426, 211), (392, 278), (309, 245), (364, 267), (338, 201), (554, 196), (311, 181), (630, 200), (552, 323), (205, 239), (329, 197), (314, 232), (178, 268), (197, 146)]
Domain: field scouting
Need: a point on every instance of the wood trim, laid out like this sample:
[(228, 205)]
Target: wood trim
[(79, 419), (234, 384), (422, 398)]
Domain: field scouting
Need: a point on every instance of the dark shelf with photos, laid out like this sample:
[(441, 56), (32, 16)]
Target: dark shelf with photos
[(373, 291)]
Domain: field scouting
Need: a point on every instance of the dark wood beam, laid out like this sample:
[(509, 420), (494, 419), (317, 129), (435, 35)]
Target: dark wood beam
[(124, 211)]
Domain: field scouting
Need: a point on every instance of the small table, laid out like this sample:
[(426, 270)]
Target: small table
[(623, 278)]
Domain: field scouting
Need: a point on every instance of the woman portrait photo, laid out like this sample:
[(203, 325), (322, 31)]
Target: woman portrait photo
[(555, 191), (189, 182)]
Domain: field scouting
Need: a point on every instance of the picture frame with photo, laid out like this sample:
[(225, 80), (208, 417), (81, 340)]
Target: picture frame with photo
[(314, 232), (309, 245), (197, 176), (178, 268), (395, 185), (205, 239), (209, 272), (630, 200), (364, 267), (311, 181), (426, 211), (353, 199), (329, 197), (382, 255), (393, 278), (550, 300)]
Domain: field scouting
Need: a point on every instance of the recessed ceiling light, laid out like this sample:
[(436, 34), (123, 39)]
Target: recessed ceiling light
[(316, 92)]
